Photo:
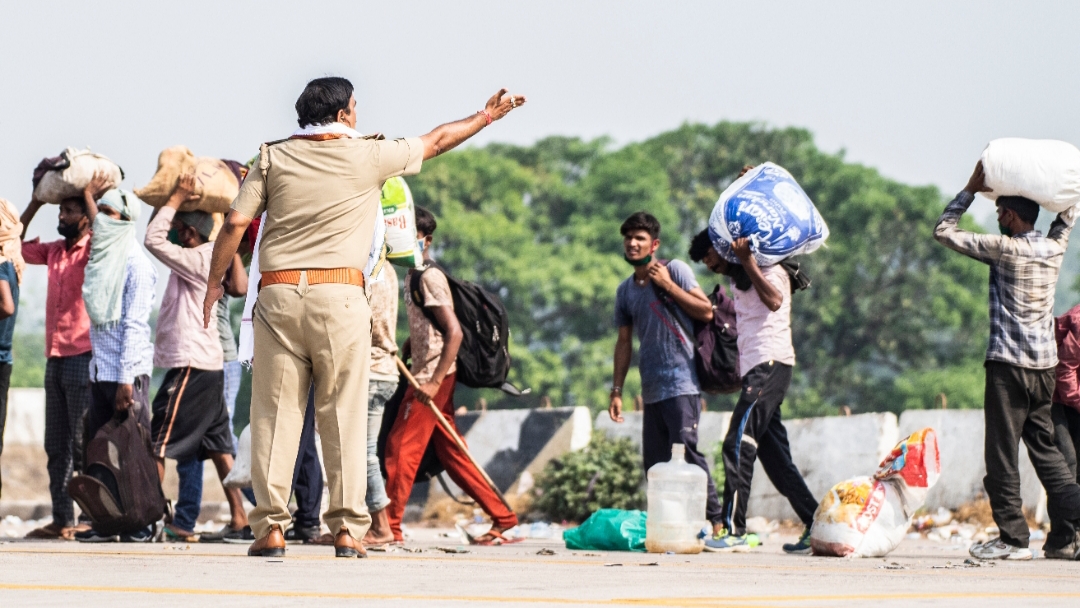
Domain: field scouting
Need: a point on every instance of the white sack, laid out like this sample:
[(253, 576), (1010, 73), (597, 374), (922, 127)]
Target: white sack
[(57, 185), (240, 475), (1046, 171)]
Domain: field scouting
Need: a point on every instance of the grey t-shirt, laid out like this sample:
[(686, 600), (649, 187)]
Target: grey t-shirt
[(666, 348)]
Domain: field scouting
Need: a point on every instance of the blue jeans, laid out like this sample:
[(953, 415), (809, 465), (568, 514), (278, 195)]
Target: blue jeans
[(379, 392), (189, 502)]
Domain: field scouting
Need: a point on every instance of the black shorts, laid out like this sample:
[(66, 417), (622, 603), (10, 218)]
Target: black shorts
[(190, 419)]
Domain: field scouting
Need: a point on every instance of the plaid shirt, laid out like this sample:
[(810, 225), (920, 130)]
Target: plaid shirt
[(123, 350), (1023, 276)]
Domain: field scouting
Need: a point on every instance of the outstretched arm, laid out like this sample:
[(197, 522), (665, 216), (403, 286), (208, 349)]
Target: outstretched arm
[(450, 135)]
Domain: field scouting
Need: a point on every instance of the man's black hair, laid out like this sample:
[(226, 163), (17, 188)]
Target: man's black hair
[(322, 99), (425, 221), (641, 221), (78, 200), (700, 246), (1026, 209)]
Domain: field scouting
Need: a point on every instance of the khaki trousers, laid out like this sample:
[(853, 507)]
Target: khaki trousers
[(304, 334)]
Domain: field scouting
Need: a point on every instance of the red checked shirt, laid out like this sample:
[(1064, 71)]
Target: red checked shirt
[(67, 328), (1067, 328)]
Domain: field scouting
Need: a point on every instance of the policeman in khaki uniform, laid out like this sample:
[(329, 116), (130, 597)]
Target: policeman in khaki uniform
[(320, 190)]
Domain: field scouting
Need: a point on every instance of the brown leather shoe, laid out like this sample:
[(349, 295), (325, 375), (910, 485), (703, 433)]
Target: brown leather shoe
[(347, 546), (271, 545)]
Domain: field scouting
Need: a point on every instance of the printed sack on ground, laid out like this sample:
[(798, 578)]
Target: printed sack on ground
[(869, 516), (66, 175), (399, 212), (240, 475), (1046, 171), (769, 207), (216, 183)]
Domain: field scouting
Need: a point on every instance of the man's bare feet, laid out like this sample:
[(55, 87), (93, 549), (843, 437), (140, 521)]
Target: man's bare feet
[(379, 533)]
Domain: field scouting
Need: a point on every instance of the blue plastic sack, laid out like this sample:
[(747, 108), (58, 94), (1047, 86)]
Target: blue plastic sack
[(769, 207), (609, 530)]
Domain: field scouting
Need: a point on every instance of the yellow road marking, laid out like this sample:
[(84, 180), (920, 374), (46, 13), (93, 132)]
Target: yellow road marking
[(681, 601)]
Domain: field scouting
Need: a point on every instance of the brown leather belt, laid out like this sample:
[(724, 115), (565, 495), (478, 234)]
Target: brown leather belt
[(345, 276)]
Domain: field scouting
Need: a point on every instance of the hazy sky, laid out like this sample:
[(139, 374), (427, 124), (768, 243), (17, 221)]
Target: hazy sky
[(915, 89)]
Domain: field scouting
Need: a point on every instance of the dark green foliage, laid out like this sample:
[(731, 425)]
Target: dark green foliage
[(892, 318), (604, 475)]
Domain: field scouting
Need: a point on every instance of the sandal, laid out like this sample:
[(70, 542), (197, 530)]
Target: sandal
[(52, 531), (172, 534), (494, 538)]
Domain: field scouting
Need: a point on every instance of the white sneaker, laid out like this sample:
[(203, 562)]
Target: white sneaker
[(997, 549)]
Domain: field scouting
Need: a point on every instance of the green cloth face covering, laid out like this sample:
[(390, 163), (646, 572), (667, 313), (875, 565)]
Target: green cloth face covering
[(643, 261), (1004, 231)]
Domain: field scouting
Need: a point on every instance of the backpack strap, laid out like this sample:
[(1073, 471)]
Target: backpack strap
[(670, 305), (418, 295)]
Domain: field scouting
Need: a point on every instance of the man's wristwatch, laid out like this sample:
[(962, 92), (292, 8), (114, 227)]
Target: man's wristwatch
[(615, 391)]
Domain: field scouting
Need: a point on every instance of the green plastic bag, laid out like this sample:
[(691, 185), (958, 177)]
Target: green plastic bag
[(609, 530)]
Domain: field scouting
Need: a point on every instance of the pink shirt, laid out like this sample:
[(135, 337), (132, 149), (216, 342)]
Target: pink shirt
[(181, 339), (764, 335), (67, 328)]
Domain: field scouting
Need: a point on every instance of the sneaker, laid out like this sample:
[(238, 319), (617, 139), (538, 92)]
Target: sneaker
[(1070, 551), (90, 536), (730, 543), (243, 536), (303, 534), (997, 549), (228, 535), (802, 546), (139, 536)]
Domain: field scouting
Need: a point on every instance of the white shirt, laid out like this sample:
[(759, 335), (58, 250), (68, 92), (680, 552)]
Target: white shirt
[(764, 335)]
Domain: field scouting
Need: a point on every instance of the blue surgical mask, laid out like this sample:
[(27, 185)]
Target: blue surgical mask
[(420, 245)]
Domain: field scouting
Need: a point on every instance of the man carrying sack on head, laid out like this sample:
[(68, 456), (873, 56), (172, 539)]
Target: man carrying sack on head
[(321, 191)]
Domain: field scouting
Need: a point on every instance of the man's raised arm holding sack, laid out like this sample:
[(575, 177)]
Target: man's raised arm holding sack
[(320, 190)]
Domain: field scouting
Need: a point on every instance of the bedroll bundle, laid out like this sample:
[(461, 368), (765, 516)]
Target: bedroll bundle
[(399, 213), (869, 516), (768, 207), (217, 182), (65, 176), (1046, 171)]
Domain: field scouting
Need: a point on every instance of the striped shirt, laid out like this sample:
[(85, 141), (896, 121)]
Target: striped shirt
[(1023, 277), (123, 350)]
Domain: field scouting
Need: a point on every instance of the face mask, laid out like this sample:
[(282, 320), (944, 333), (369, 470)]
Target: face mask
[(643, 261), (174, 237), (68, 231), (1004, 230), (420, 245)]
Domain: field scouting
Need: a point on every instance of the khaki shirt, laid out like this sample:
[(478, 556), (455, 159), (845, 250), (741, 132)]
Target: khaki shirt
[(321, 199)]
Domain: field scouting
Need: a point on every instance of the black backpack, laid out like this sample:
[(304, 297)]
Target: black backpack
[(716, 343), (483, 361), (119, 488)]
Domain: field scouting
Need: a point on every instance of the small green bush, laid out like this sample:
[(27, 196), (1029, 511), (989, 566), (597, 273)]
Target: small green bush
[(606, 474)]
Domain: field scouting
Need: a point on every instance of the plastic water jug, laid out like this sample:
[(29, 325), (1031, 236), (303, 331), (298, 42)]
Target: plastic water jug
[(677, 491)]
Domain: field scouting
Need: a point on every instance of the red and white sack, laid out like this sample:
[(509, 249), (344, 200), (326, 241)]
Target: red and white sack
[(869, 516), (1046, 171), (74, 170)]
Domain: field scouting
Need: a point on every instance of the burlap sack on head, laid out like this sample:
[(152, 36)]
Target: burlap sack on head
[(215, 183), (65, 176)]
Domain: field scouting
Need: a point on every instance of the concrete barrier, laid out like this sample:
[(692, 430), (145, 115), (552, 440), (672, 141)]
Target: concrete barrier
[(961, 434), (26, 417), (711, 429)]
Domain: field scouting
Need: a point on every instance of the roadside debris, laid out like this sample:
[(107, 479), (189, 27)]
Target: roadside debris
[(453, 550), (545, 551)]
